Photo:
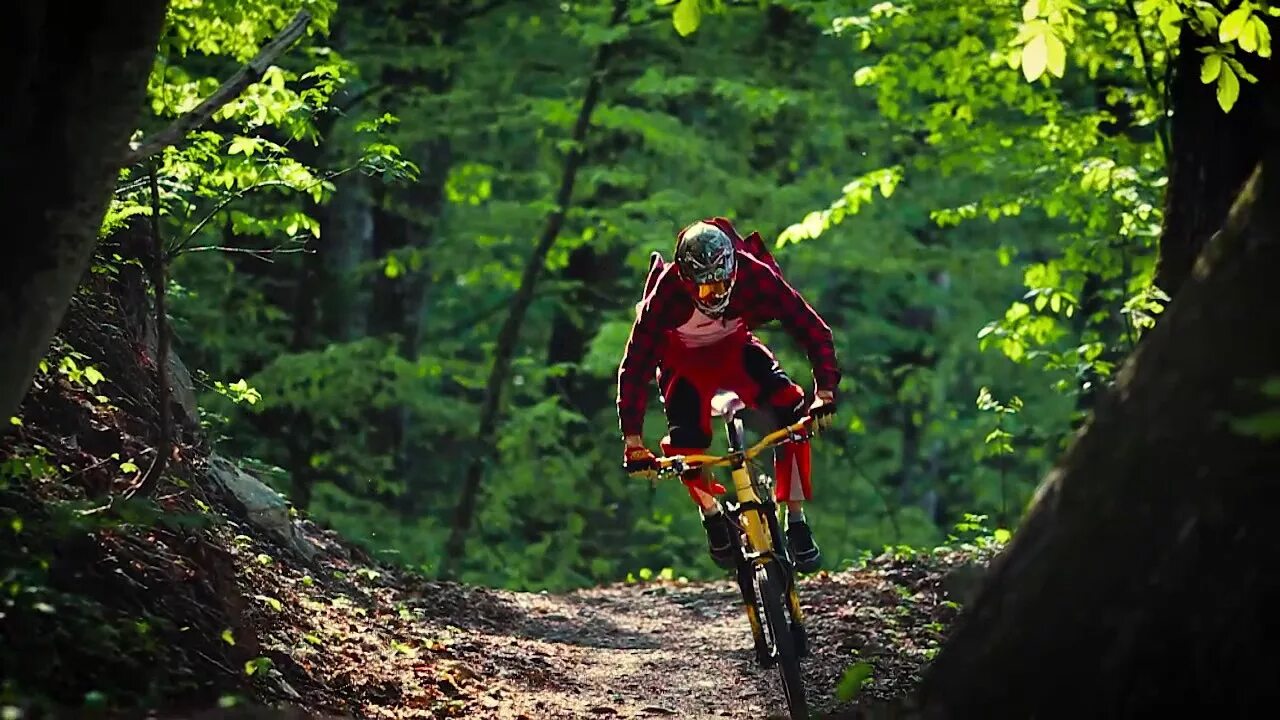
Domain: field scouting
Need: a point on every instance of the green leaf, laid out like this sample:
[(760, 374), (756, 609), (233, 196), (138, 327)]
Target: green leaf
[(851, 681), (15, 421), (394, 267), (1057, 54), (1169, 19), (1030, 10), (1233, 24), (1249, 37), (1228, 88), (1264, 36), (257, 664), (92, 375), (1002, 536), (1035, 56), (128, 467), (227, 637), (241, 145), (1264, 425), (687, 16), (1209, 68)]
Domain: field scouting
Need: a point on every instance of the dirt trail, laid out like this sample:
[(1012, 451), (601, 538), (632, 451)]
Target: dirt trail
[(683, 650), (627, 652), (235, 621)]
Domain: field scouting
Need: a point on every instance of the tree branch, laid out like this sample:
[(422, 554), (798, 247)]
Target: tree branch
[(483, 9), (227, 200), (159, 281), (247, 75), (262, 254), (1162, 125), (359, 97), (509, 334)]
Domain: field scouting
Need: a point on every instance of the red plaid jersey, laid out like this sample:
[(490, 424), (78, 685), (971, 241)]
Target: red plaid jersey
[(760, 295)]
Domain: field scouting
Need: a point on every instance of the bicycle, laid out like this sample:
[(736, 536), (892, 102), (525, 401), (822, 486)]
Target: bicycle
[(764, 568)]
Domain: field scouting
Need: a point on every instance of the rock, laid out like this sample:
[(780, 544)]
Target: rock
[(263, 507), (184, 391), (283, 685), (182, 388)]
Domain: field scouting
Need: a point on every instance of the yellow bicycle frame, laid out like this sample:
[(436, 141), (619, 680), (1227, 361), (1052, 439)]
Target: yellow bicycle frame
[(754, 526)]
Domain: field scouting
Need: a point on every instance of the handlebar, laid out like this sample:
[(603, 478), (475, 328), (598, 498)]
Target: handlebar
[(677, 464)]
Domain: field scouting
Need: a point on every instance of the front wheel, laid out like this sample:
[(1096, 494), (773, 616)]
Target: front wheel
[(772, 594)]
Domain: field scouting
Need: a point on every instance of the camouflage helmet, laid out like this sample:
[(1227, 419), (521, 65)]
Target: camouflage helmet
[(707, 261)]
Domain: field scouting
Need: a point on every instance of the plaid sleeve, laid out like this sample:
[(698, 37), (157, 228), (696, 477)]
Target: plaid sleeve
[(801, 321), (640, 358)]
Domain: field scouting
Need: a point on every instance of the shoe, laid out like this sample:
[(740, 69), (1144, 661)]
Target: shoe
[(719, 539), (804, 552)]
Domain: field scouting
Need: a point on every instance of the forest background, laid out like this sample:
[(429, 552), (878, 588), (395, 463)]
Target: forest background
[(402, 266)]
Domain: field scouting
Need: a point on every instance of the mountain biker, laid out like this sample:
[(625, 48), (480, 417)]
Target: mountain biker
[(692, 333)]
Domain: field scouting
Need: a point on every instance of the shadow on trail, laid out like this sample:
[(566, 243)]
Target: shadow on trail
[(641, 617), (587, 630)]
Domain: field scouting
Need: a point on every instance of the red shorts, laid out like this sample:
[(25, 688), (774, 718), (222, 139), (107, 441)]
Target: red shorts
[(689, 378)]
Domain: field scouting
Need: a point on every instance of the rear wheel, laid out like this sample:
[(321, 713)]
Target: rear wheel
[(772, 594)]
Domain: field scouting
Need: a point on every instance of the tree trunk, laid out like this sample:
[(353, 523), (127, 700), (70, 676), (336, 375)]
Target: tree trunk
[(398, 302), (72, 94), (347, 232), (510, 332), (300, 433), (407, 224), (1213, 156), (576, 322), (1141, 581)]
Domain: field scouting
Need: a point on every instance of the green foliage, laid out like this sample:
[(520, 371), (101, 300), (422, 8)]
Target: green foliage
[(851, 681), (85, 640), (969, 193)]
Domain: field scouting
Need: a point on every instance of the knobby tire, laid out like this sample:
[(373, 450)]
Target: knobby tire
[(772, 597)]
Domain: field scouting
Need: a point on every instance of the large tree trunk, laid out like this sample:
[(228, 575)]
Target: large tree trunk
[(72, 92), (1213, 156), (1142, 579)]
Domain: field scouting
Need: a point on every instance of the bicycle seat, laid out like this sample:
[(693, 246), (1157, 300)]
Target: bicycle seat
[(725, 403)]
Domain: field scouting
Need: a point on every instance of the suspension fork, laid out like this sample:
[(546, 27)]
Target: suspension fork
[(745, 570), (751, 515)]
